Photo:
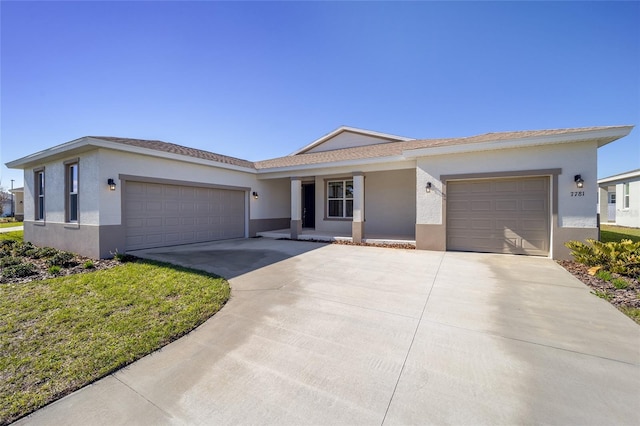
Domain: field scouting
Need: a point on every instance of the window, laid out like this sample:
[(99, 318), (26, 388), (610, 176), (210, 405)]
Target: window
[(39, 195), (625, 195), (340, 199), (72, 192), (612, 198)]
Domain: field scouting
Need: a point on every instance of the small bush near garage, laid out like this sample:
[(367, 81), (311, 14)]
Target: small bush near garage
[(62, 333), (611, 269)]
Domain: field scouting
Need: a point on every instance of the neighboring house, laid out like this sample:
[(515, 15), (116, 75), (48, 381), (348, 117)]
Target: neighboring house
[(524, 192), (18, 202), (620, 199)]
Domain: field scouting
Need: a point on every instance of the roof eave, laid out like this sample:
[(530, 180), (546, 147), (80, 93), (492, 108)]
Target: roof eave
[(332, 164), (620, 177), (602, 136)]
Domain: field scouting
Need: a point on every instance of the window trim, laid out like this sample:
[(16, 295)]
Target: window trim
[(39, 196), (626, 190), (344, 181), (67, 191)]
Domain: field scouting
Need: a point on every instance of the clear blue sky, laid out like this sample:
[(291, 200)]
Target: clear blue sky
[(259, 80)]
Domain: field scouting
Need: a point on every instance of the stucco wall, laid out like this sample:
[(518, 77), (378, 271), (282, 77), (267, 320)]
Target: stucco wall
[(573, 212), (628, 216), (273, 195), (390, 203)]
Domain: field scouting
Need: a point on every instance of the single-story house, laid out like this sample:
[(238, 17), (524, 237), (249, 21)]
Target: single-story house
[(619, 200), (18, 202), (523, 192)]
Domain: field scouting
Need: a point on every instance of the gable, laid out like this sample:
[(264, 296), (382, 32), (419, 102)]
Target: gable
[(348, 137)]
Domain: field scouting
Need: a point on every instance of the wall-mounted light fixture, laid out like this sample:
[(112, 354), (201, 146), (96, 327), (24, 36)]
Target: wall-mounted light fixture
[(112, 184), (255, 195), (579, 181), (428, 187)]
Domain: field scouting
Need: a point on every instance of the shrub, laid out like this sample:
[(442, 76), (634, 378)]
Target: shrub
[(9, 261), (42, 252), (88, 265), (618, 257), (122, 257), (21, 249), (54, 270), (18, 271), (604, 275), (61, 258)]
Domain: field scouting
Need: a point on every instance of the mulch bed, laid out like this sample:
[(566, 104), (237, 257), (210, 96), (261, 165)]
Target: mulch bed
[(629, 297), (42, 269)]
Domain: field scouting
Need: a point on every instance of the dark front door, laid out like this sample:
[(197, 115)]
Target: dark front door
[(308, 205)]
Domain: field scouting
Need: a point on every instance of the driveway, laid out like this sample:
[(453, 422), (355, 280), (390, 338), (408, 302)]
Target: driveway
[(334, 334)]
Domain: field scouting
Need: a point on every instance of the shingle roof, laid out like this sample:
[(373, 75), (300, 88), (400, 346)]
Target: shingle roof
[(178, 149), (392, 149), (389, 149)]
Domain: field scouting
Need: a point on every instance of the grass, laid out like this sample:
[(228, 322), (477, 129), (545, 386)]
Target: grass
[(63, 333), (610, 233), (14, 235), (10, 224)]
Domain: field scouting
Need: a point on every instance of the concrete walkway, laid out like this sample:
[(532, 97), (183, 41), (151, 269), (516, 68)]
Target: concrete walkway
[(333, 334), (12, 229)]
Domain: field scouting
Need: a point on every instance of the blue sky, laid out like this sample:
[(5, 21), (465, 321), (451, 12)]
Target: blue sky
[(259, 80)]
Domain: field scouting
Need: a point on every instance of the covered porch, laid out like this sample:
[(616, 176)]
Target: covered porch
[(316, 235)]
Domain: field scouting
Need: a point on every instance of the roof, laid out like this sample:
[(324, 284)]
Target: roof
[(177, 149), (632, 174), (397, 149), (403, 149)]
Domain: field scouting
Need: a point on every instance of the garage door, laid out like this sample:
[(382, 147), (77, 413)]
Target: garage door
[(499, 215), (159, 215)]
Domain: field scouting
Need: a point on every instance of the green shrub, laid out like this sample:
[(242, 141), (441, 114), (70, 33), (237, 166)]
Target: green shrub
[(88, 265), (54, 270), (42, 252), (21, 249), (618, 257), (18, 271), (9, 261), (122, 257), (61, 258)]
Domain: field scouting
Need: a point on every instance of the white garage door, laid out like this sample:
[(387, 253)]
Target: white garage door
[(499, 215), (157, 215)]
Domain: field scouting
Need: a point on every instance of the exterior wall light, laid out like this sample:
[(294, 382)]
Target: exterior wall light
[(428, 187), (579, 181), (112, 184), (255, 195)]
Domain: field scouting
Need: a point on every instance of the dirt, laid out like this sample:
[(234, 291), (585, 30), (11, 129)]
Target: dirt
[(629, 297)]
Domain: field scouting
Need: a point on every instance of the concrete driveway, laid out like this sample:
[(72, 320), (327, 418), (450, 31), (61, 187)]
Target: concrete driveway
[(332, 334)]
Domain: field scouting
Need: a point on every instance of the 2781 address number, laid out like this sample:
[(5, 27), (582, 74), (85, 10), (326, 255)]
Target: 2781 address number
[(577, 194)]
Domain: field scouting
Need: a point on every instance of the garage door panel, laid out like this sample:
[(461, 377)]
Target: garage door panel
[(507, 215), (159, 214)]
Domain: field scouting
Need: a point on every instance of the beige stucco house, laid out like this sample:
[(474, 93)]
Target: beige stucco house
[(619, 200), (524, 192)]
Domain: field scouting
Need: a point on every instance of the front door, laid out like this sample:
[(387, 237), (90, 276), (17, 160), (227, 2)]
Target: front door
[(308, 205)]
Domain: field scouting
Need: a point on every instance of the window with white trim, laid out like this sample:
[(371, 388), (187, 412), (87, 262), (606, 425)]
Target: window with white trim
[(72, 192), (39, 195), (612, 198), (340, 199), (625, 195)]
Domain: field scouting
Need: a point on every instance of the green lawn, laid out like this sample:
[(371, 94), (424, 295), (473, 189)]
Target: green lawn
[(609, 233), (63, 333), (14, 235), (10, 224)]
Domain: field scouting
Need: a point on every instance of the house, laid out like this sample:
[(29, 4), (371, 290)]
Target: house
[(620, 199), (523, 192), (18, 202)]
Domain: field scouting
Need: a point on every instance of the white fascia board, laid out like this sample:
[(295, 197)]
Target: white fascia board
[(364, 164), (341, 129), (520, 142), (623, 176)]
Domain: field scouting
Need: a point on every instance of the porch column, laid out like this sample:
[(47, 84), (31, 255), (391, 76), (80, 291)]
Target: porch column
[(357, 226), (296, 208)]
